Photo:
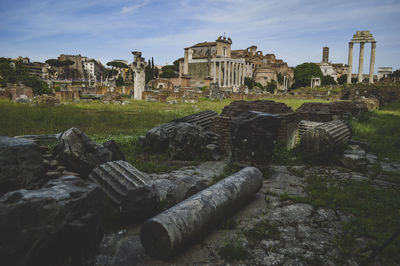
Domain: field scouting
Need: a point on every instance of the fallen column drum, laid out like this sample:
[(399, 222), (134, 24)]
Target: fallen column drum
[(170, 230)]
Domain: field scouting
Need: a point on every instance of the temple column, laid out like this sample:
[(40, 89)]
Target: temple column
[(243, 73), (350, 63), (237, 74), (372, 63), (361, 62), (215, 72), (229, 74), (219, 73), (225, 72)]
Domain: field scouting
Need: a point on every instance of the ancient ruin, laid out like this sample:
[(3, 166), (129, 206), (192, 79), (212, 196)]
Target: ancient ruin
[(164, 234), (138, 67), (362, 37)]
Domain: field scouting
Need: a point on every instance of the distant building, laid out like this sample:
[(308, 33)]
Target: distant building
[(384, 72), (328, 69), (265, 68), (37, 69), (93, 69), (208, 62)]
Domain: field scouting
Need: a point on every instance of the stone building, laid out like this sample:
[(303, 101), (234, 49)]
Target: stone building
[(93, 69), (384, 72), (208, 62), (328, 69), (264, 68), (77, 69), (37, 69)]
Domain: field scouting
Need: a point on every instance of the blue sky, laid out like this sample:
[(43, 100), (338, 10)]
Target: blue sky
[(294, 30)]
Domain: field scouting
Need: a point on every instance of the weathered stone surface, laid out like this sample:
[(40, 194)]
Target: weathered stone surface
[(20, 164), (175, 191), (325, 112), (189, 142), (42, 139), (79, 153), (253, 136), (236, 108), (165, 233), (320, 143), (130, 189), (158, 138), (22, 99), (112, 146), (55, 225)]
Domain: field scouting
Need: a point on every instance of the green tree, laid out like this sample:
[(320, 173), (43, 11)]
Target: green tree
[(271, 86), (119, 81), (395, 74), (117, 64), (168, 73), (303, 74), (328, 80), (280, 78)]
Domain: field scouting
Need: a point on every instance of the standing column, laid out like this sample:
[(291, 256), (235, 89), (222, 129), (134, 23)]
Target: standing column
[(225, 72), (219, 74), (372, 63), (361, 62), (237, 74), (243, 73), (240, 74), (215, 72), (350, 63), (229, 74)]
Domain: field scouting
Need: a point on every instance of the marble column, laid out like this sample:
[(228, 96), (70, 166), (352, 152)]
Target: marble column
[(372, 63), (361, 62), (219, 74), (225, 72), (350, 63), (237, 74), (215, 72), (229, 74)]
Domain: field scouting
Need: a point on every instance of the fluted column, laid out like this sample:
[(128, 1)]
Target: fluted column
[(225, 72), (361, 62), (372, 63), (350, 63), (215, 72), (219, 73), (229, 74)]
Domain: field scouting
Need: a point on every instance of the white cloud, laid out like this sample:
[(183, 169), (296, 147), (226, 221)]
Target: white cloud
[(132, 8)]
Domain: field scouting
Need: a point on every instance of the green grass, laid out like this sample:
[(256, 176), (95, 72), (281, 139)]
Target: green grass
[(374, 214), (233, 249), (122, 123), (263, 230), (382, 129)]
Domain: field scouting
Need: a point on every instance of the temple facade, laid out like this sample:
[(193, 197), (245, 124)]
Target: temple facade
[(211, 62)]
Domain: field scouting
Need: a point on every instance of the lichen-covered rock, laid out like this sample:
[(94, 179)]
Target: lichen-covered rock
[(112, 146), (130, 189), (189, 142), (21, 164), (253, 136), (79, 153), (59, 224)]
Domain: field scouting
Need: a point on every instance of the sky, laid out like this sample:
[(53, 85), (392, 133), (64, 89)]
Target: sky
[(293, 30)]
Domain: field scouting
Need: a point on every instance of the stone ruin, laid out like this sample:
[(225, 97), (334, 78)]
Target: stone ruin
[(287, 131), (185, 138), (325, 112)]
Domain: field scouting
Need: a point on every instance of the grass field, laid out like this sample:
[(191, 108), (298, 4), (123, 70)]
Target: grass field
[(123, 123)]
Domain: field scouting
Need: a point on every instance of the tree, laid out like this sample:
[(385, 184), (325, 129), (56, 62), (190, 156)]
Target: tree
[(168, 73), (271, 86), (280, 78), (395, 74), (328, 80), (119, 81), (303, 74), (117, 64)]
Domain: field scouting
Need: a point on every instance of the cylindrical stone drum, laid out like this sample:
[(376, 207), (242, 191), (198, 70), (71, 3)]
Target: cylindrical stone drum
[(165, 233)]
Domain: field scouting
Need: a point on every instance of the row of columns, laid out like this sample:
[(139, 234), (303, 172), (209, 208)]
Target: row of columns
[(228, 73), (361, 62)]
